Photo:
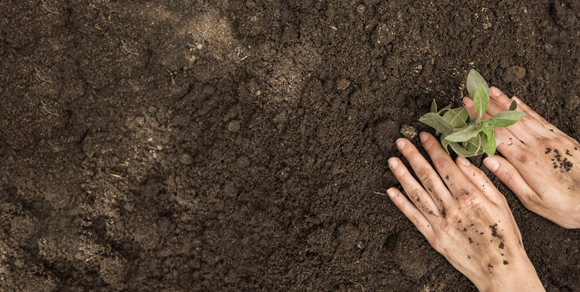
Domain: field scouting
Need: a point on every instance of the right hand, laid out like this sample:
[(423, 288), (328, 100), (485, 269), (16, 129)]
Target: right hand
[(542, 166)]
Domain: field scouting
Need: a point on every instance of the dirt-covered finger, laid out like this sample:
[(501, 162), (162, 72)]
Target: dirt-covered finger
[(452, 176), (414, 189), (411, 211), (480, 180), (426, 174), (512, 178), (510, 145)]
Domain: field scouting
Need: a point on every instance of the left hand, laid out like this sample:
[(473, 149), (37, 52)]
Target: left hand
[(464, 217)]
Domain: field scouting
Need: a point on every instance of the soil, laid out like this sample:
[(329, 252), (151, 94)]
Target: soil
[(236, 145)]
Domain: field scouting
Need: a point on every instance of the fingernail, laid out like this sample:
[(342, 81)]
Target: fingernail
[(464, 161), (393, 163), (423, 136), (494, 91), (491, 163), (391, 193), (400, 144), (467, 101)]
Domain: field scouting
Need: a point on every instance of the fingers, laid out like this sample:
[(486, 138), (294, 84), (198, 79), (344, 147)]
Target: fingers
[(414, 190), (511, 145), (453, 177), (511, 177), (480, 180), (469, 106), (523, 107), (426, 174), (519, 130), (505, 102), (533, 121), (418, 219)]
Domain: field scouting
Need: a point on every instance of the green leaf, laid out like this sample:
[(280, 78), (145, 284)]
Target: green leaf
[(444, 143), (488, 140), (474, 145), (464, 135), (480, 100), (460, 150), (443, 110), (434, 106), (438, 122), (513, 106), (457, 117), (474, 80), (505, 119)]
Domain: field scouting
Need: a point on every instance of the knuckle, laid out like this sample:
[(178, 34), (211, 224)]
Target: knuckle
[(423, 174), (524, 158), (442, 162), (526, 118), (415, 220), (453, 215), (470, 200), (508, 176), (530, 201), (438, 245), (416, 193), (499, 131), (431, 144)]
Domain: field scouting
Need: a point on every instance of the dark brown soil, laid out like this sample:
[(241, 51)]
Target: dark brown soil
[(237, 145)]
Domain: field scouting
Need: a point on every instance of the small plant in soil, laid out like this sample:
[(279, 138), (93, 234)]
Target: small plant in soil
[(476, 136)]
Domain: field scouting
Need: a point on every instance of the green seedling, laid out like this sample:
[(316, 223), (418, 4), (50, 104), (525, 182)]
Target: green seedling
[(476, 136)]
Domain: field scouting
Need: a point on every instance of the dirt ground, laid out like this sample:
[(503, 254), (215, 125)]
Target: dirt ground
[(220, 145)]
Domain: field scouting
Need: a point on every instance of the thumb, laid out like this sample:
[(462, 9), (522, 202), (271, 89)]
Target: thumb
[(469, 106), (512, 178), (468, 102)]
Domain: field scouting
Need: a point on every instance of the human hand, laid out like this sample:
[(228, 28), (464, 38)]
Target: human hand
[(542, 166), (469, 221)]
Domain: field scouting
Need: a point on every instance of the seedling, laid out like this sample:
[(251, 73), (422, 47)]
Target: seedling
[(476, 136)]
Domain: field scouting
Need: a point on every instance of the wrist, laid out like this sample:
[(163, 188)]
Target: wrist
[(519, 276)]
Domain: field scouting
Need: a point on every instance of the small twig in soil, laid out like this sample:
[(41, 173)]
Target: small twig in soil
[(46, 110), (237, 55), (40, 77), (46, 8), (115, 175), (361, 286), (330, 25), (127, 50), (171, 73)]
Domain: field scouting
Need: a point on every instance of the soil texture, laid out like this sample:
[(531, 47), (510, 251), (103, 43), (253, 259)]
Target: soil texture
[(226, 145)]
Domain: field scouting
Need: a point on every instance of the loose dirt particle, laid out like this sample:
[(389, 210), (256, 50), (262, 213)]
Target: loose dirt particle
[(234, 126), (494, 231)]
